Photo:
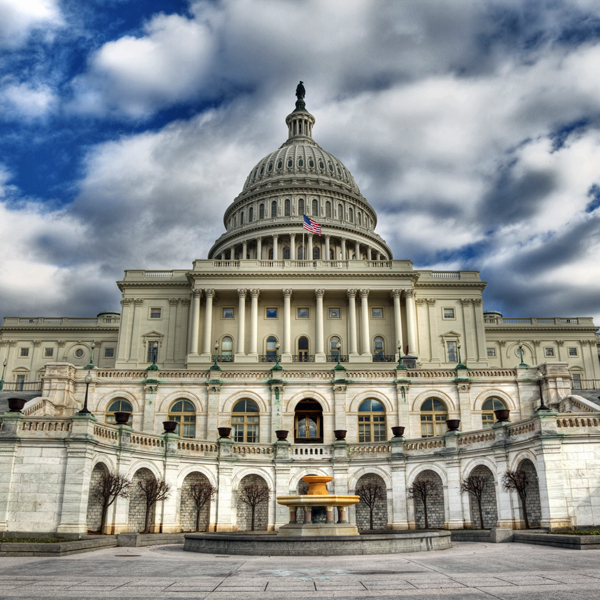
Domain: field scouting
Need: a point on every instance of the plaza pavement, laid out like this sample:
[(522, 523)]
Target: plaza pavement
[(469, 570)]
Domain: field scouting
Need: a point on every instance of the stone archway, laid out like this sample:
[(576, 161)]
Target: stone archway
[(534, 507), (435, 503), (137, 503), (187, 506), (489, 504), (94, 506), (380, 511), (244, 511)]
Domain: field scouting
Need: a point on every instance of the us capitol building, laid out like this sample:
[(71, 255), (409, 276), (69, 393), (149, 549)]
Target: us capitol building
[(282, 330)]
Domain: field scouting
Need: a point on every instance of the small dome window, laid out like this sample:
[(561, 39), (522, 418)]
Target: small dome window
[(311, 163), (290, 163), (321, 165), (300, 163), (339, 172), (345, 174), (331, 168), (280, 164), (270, 167), (262, 170)]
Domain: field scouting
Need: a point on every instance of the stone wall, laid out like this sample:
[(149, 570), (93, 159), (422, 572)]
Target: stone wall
[(137, 503), (94, 507), (244, 512), (489, 505), (435, 503), (534, 509), (380, 513), (187, 505)]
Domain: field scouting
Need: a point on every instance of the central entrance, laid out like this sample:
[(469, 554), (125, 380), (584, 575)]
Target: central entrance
[(308, 422)]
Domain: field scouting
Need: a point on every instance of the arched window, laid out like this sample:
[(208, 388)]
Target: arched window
[(184, 413), (378, 349), (303, 349), (118, 405), (433, 417), (358, 218), (350, 215), (251, 214), (315, 208), (340, 212), (227, 349), (286, 253), (261, 211), (274, 208), (270, 253), (328, 209), (244, 422), (316, 253), (371, 422), (308, 422), (288, 208), (241, 218), (301, 206), (333, 349), (271, 349), (488, 418)]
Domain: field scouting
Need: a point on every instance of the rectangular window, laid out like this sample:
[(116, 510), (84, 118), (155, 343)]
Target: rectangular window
[(334, 313), (152, 352), (572, 351), (24, 352), (20, 382), (48, 352), (303, 313), (109, 352), (271, 313), (448, 313), (491, 351), (377, 313), (228, 313), (549, 351), (576, 381), (452, 351), (155, 313)]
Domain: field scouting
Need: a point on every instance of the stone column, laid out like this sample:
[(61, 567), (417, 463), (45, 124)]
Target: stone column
[(343, 249), (353, 350), (254, 322), (368, 252), (241, 321), (125, 337), (397, 318), (454, 497), (327, 238), (411, 317), (320, 335), (195, 337), (134, 345), (169, 518), (399, 515), (292, 246), (357, 250), (222, 256), (364, 323), (480, 331), (434, 340), (309, 252), (206, 349), (259, 248), (287, 324), (275, 246), (244, 249)]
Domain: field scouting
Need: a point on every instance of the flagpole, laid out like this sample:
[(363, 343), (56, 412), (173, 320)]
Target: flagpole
[(303, 247)]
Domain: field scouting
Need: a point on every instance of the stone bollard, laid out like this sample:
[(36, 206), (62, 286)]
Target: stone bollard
[(497, 536), (129, 539)]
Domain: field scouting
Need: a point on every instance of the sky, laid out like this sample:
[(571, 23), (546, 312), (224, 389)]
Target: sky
[(127, 127)]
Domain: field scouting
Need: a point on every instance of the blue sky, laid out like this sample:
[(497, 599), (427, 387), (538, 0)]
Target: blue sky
[(126, 127)]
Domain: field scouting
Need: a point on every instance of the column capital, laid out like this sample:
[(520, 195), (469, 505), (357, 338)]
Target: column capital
[(287, 293), (409, 293), (255, 293), (173, 301), (242, 292), (396, 294), (209, 293), (465, 301), (292, 235), (319, 293), (477, 301), (197, 293), (430, 301), (364, 293), (126, 301), (138, 301), (351, 293), (276, 235)]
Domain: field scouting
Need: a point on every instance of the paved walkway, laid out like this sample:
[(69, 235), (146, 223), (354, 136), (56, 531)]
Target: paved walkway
[(468, 570)]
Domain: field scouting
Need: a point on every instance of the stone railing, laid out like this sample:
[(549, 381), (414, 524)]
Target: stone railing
[(368, 450), (580, 421), (478, 437), (253, 450), (308, 451), (106, 433), (48, 425), (521, 428), (147, 441), (424, 444), (205, 448)]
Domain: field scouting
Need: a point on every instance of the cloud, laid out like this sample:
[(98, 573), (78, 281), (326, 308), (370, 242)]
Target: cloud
[(26, 101), (18, 18)]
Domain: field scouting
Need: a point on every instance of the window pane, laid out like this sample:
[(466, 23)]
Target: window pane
[(303, 313), (452, 352), (228, 313), (491, 351), (377, 313), (448, 313), (271, 313), (334, 313)]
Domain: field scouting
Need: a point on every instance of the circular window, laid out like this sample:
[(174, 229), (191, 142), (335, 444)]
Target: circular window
[(321, 165), (300, 163), (280, 164), (331, 168), (79, 353), (270, 167), (311, 163), (290, 163)]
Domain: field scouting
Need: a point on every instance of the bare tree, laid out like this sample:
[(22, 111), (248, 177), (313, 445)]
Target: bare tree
[(110, 487), (517, 481), (422, 489), (371, 492), (253, 494), (153, 490), (474, 485), (202, 492)]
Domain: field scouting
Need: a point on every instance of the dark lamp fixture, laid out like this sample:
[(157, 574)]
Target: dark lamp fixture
[(88, 379)]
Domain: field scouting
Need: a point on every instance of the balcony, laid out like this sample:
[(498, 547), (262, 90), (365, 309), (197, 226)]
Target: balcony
[(22, 386), (306, 358), (225, 358), (385, 358)]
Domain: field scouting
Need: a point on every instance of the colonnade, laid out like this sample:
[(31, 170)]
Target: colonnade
[(289, 246), (359, 342)]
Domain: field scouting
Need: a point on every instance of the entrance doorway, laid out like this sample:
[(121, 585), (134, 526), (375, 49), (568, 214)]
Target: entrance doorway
[(308, 422)]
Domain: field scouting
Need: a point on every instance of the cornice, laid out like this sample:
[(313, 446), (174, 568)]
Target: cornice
[(58, 328), (527, 327)]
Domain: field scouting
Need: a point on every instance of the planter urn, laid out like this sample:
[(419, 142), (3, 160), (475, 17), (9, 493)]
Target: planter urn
[(122, 417), (398, 431), (453, 424), (170, 426), (502, 415), (16, 404), (340, 435), (281, 434), (224, 432)]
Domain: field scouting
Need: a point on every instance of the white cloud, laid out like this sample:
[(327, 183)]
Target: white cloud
[(25, 100), (19, 17)]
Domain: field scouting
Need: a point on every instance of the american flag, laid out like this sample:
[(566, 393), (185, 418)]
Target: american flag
[(311, 225)]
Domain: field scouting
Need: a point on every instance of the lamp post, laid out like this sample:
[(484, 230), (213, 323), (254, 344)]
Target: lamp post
[(339, 353), (154, 352), (91, 363), (84, 410), (3, 370), (522, 364), (542, 405), (459, 365), (400, 365), (215, 366)]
